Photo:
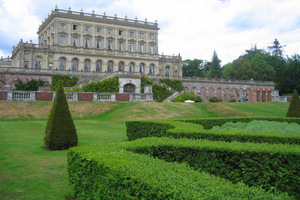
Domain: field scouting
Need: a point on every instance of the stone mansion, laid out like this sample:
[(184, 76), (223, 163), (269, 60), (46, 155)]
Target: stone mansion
[(78, 41), (94, 47)]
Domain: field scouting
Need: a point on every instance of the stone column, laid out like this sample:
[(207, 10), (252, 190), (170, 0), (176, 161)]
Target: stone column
[(116, 39), (104, 40), (81, 36), (69, 35)]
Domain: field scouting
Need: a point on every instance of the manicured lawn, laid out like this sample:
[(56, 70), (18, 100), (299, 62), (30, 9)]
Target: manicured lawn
[(27, 171)]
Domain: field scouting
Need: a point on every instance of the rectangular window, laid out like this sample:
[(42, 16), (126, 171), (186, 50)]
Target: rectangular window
[(152, 49), (141, 35), (87, 43), (121, 46), (26, 64), (75, 27), (87, 28), (110, 42), (109, 31), (142, 48), (62, 40), (98, 44), (62, 25), (98, 30), (75, 41), (131, 33), (121, 32), (131, 47), (151, 36)]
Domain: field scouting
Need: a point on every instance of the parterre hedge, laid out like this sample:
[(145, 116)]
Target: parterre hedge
[(115, 171), (195, 129), (271, 166), (176, 162)]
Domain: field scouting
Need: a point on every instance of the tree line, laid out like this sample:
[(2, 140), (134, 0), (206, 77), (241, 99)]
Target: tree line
[(256, 64)]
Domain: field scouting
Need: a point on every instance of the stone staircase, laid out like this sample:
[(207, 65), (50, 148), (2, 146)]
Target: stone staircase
[(90, 78), (173, 96)]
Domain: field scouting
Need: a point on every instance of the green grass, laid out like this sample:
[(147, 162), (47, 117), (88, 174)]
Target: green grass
[(27, 171), (261, 126)]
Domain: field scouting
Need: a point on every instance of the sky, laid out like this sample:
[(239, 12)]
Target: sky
[(193, 28)]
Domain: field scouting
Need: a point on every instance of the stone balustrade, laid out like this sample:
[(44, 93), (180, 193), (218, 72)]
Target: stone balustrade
[(14, 95)]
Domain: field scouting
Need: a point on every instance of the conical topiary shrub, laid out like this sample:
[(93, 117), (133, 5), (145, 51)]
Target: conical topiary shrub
[(294, 108), (60, 130)]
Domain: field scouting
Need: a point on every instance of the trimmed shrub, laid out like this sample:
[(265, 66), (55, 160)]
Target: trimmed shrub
[(180, 129), (185, 96), (272, 167), (215, 99), (198, 99), (65, 80), (60, 130), (294, 108), (111, 171), (232, 100)]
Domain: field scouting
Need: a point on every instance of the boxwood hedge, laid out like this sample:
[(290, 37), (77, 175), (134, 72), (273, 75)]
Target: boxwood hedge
[(115, 171), (271, 166), (195, 129)]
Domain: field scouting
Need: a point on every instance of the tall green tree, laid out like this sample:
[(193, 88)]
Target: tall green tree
[(60, 129), (215, 67), (276, 49), (239, 69), (192, 68), (292, 74), (264, 71)]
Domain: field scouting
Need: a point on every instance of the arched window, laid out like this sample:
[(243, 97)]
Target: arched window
[(258, 96), (151, 69), (121, 67), (86, 65), (167, 71), (38, 63), (131, 67), (142, 67), (264, 96), (62, 64), (75, 64), (109, 66), (129, 88), (98, 66)]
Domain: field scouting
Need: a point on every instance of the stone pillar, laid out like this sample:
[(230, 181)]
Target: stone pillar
[(81, 36), (9, 95), (116, 40), (104, 40), (69, 35), (93, 37)]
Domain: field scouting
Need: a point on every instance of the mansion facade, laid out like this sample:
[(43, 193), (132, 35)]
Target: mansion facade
[(87, 42)]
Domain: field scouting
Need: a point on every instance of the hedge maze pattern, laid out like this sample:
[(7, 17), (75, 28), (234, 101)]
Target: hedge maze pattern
[(186, 160)]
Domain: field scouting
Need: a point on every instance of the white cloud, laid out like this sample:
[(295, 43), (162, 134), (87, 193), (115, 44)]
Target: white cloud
[(17, 19), (194, 28)]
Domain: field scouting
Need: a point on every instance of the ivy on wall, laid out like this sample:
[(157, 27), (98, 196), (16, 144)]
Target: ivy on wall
[(174, 84), (66, 81), (160, 93), (32, 85), (110, 85)]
